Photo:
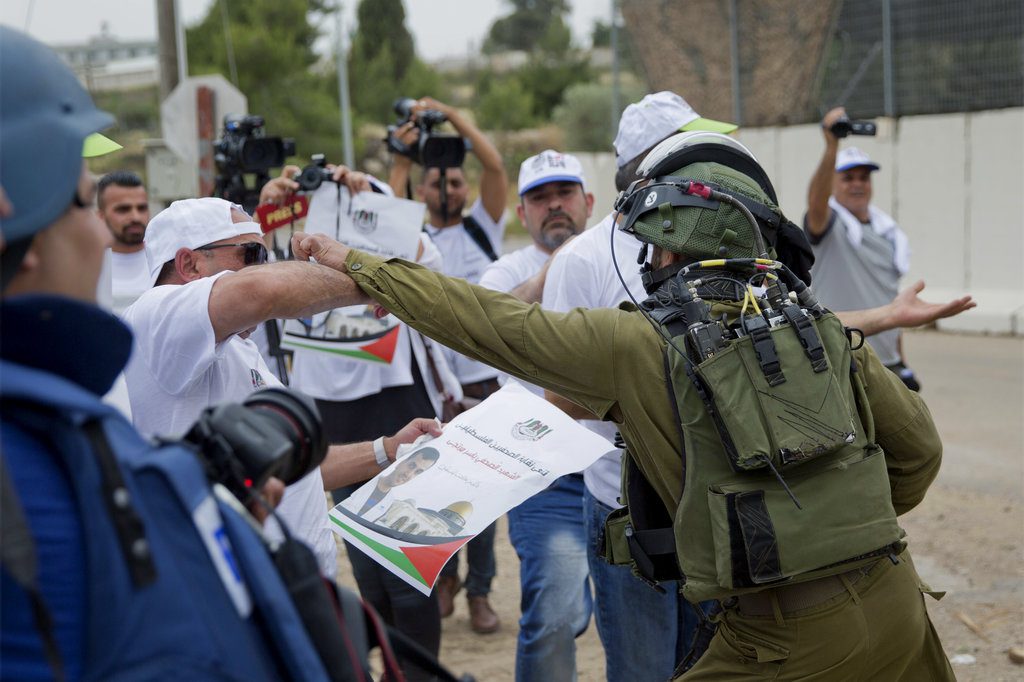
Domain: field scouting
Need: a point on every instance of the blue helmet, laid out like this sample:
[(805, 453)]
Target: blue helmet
[(45, 116)]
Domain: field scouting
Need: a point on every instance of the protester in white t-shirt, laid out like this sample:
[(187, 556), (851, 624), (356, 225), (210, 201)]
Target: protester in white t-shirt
[(193, 349), (122, 203)]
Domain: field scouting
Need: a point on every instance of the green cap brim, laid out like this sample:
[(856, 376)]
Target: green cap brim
[(710, 126), (98, 145)]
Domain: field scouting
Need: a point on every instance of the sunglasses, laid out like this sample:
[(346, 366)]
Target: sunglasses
[(254, 253)]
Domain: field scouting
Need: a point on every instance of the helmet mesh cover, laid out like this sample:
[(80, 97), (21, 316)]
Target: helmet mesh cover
[(721, 232)]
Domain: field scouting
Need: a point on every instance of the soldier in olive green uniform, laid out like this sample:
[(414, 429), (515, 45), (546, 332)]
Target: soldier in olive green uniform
[(865, 621)]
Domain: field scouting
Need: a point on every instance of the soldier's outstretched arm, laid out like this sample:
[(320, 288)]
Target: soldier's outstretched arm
[(568, 353)]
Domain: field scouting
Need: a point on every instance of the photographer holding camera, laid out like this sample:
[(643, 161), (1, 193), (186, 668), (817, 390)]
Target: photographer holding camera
[(860, 252), (468, 243)]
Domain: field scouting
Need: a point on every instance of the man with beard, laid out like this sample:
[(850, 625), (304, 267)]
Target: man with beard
[(547, 530), (123, 205)]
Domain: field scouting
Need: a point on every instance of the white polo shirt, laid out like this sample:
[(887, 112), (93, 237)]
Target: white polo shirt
[(177, 369)]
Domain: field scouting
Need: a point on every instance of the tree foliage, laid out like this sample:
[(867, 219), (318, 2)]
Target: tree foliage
[(504, 104), (585, 115), (382, 63), (273, 49), (532, 24)]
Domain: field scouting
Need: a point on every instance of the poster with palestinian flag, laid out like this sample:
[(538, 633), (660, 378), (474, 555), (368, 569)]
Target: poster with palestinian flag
[(441, 492), (370, 222)]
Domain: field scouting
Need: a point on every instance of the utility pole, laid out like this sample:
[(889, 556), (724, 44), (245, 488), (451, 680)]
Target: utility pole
[(347, 150), (616, 89), (167, 46)]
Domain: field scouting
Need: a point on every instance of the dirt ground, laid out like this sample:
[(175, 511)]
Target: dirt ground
[(966, 537)]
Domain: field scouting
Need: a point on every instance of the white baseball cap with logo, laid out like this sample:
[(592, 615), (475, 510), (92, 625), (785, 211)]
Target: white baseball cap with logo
[(851, 157), (191, 223), (655, 117), (549, 166)]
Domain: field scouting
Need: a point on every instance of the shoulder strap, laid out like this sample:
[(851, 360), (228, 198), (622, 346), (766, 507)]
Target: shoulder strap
[(18, 557), (131, 533), (478, 235), (652, 543)]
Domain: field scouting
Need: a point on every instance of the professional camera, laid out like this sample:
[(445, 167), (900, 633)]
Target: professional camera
[(315, 174), (432, 150), (244, 147), (273, 432), (847, 126)]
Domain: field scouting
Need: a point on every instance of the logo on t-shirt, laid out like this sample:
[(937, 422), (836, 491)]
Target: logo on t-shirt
[(257, 379)]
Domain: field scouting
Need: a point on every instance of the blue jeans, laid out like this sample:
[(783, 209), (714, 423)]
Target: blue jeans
[(480, 559), (548, 535), (645, 633)]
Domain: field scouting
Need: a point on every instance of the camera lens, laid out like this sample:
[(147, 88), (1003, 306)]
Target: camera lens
[(295, 416)]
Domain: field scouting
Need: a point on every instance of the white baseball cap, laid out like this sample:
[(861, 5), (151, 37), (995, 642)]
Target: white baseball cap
[(655, 117), (851, 157), (191, 223), (549, 166)]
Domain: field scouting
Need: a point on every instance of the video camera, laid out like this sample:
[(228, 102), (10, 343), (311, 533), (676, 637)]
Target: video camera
[(432, 149), (244, 147), (273, 432), (847, 126)]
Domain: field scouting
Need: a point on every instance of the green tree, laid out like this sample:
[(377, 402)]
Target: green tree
[(503, 104), (585, 115), (273, 42), (382, 63), (532, 24)]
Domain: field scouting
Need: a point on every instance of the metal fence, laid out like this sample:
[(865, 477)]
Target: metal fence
[(901, 57), (770, 62)]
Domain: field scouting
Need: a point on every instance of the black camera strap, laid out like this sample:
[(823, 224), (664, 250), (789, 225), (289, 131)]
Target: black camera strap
[(479, 237)]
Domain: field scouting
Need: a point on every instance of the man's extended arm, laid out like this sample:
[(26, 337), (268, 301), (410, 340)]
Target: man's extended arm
[(906, 310), (493, 181), (820, 188), (348, 464), (497, 329), (243, 299)]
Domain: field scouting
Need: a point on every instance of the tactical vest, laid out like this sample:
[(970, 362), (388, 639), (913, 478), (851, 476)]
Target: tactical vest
[(783, 481)]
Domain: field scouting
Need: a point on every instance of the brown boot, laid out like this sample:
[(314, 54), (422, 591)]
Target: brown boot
[(447, 587), (482, 617)]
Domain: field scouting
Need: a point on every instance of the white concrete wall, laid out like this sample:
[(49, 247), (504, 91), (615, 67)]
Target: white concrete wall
[(954, 182)]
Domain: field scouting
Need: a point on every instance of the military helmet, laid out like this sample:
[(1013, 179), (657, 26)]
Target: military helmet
[(670, 205)]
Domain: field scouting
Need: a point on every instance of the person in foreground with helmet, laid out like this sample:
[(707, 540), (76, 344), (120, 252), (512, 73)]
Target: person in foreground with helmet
[(773, 437), (107, 574)]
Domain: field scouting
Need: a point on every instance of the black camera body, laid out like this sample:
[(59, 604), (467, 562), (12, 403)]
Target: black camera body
[(846, 126), (433, 150), (273, 432), (242, 148), (315, 174)]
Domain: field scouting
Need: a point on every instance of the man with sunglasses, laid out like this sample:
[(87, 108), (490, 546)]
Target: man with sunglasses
[(192, 348)]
